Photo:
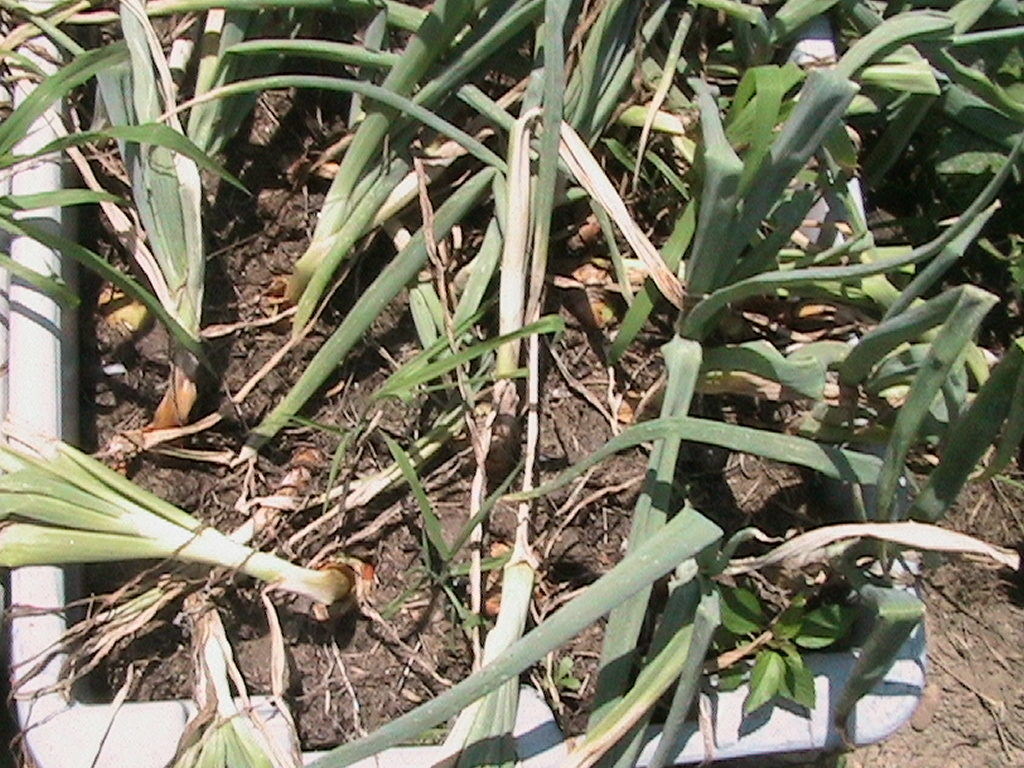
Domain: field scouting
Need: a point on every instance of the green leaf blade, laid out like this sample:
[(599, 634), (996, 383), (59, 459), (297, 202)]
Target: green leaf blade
[(766, 680)]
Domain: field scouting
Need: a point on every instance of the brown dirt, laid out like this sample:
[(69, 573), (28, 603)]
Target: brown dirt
[(392, 665), (973, 710), (583, 542)]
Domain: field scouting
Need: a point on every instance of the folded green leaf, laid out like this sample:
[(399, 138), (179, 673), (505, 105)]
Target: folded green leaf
[(824, 626), (891, 34), (793, 15), (978, 83), (798, 680), (710, 261), (742, 612), (766, 680), (747, 12), (907, 77), (802, 375)]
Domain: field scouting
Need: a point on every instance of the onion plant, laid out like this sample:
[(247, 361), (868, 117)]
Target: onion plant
[(224, 734), (211, 125), (345, 217), (137, 95), (167, 193), (69, 508), (17, 211)]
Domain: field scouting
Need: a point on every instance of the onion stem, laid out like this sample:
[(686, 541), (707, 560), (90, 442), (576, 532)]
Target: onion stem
[(70, 508)]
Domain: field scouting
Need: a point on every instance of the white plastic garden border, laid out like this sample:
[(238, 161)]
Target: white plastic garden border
[(40, 393)]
